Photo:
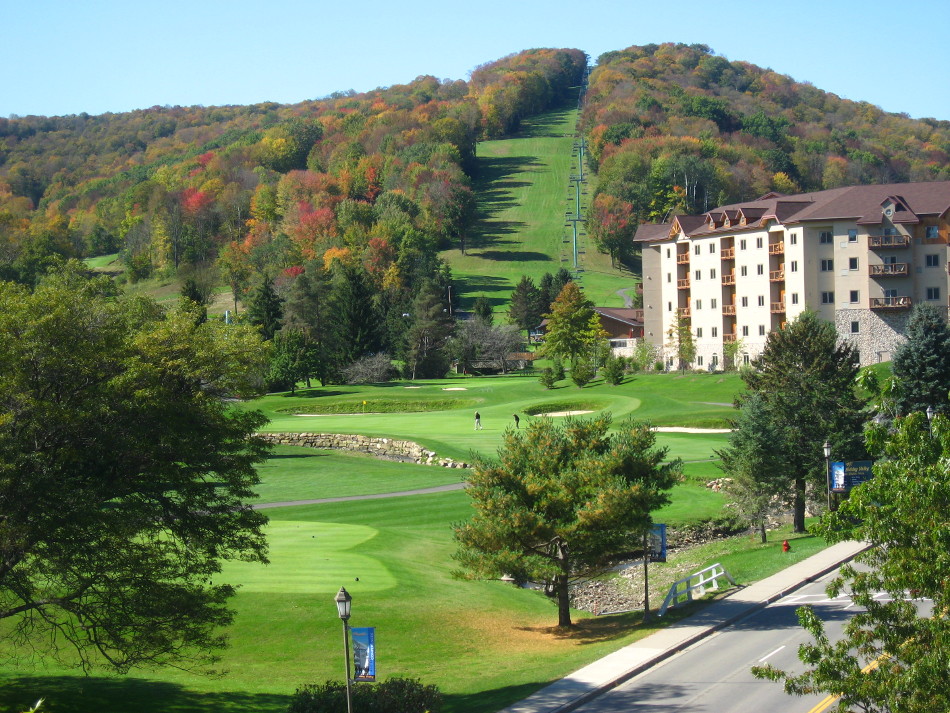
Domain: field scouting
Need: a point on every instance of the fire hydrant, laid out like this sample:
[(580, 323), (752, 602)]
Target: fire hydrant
[(785, 546)]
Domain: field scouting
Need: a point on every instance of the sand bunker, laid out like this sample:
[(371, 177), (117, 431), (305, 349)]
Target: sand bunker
[(456, 388), (681, 429), (554, 414)]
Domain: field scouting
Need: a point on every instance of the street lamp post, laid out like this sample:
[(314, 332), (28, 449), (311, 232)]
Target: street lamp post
[(343, 600), (827, 449)]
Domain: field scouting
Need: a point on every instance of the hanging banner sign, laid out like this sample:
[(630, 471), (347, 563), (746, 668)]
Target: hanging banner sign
[(657, 543), (364, 653), (848, 474)]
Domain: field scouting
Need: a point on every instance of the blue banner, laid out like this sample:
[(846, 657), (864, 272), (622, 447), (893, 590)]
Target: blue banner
[(657, 543), (846, 475), (364, 653)]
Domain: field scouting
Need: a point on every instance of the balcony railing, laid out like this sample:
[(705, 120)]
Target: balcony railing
[(777, 307), (729, 279), (888, 241), (776, 275), (684, 312), (776, 248), (729, 310), (894, 269), (682, 284), (726, 338), (682, 258), (728, 254), (891, 302)]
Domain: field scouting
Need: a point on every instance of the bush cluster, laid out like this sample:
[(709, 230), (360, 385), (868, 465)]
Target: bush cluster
[(395, 695)]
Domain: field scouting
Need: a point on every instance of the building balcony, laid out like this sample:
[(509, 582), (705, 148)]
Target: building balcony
[(727, 338), (888, 241), (777, 307), (728, 254), (776, 248), (682, 258), (684, 312), (894, 269), (891, 302), (776, 275), (729, 279), (729, 310), (682, 284)]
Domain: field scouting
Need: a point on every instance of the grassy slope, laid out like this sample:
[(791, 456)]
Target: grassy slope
[(523, 192)]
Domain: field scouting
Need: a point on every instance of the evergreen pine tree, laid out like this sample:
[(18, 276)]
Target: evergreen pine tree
[(922, 363), (265, 308)]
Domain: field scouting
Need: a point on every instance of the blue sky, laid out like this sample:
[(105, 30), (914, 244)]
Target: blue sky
[(66, 57)]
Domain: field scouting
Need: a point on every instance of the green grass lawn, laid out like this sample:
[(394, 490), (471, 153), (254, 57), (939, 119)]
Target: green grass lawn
[(523, 189), (485, 644)]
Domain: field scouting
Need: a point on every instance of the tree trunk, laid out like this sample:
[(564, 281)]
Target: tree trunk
[(762, 531), (561, 587), (799, 516)]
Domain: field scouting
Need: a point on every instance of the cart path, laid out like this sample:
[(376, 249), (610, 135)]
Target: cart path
[(377, 496)]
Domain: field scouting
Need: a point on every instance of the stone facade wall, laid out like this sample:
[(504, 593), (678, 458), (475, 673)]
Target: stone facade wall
[(385, 448), (879, 333)]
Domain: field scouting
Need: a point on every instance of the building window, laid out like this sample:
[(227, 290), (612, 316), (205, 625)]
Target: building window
[(699, 361), (761, 300), (669, 306), (933, 293), (745, 359), (932, 232), (668, 252), (827, 265), (793, 239), (825, 237), (794, 298), (931, 260), (793, 267), (760, 269), (699, 332), (699, 274), (761, 330), (855, 328), (715, 333), (742, 244), (827, 298), (743, 271), (669, 277), (852, 235), (852, 263), (699, 304), (714, 303), (853, 296), (758, 242), (745, 330), (745, 301), (712, 247), (712, 274), (715, 360)]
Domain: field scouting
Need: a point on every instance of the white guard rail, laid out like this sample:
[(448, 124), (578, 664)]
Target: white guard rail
[(701, 581)]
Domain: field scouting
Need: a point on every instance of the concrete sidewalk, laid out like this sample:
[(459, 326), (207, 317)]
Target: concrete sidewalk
[(610, 671)]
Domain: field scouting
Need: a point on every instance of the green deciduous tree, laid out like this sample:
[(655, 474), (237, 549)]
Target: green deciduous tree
[(574, 329), (901, 513), (561, 502), (922, 363), (681, 342), (125, 473), (806, 381)]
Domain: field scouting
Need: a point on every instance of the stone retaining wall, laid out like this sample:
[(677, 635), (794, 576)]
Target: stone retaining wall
[(385, 448)]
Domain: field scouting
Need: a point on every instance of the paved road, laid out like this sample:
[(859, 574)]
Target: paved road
[(714, 676)]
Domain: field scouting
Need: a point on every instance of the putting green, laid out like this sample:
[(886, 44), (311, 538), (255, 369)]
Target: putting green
[(310, 558)]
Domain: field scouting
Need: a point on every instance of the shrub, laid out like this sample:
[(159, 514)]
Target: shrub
[(547, 377), (372, 369), (582, 372), (395, 695), (557, 369), (614, 369)]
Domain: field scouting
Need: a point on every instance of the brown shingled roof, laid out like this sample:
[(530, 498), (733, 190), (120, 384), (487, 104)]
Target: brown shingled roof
[(652, 232)]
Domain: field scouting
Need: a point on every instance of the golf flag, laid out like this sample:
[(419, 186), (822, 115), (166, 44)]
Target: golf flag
[(364, 653)]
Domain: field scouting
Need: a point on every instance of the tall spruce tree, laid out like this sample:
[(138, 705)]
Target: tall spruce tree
[(526, 306), (806, 381), (265, 308), (310, 310), (922, 363)]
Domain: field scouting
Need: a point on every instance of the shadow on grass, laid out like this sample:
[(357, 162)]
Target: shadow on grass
[(511, 255), (490, 701), (80, 694)]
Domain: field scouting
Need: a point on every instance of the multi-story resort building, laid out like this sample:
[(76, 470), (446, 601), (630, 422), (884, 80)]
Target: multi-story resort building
[(859, 256)]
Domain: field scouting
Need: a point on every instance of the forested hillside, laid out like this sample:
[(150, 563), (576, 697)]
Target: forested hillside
[(673, 129), (379, 179)]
